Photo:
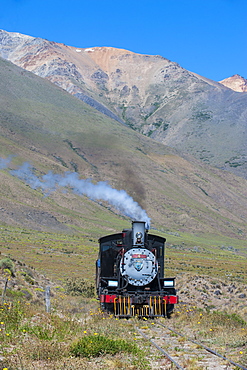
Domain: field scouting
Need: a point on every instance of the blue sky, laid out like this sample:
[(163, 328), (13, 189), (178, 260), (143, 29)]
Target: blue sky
[(208, 37)]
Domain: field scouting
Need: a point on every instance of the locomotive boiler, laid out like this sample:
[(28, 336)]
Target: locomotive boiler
[(130, 277)]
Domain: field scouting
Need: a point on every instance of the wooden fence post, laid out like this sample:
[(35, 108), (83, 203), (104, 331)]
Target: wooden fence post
[(4, 290), (47, 299)]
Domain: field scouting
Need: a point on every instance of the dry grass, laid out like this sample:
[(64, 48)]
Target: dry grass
[(225, 332), (31, 338), (38, 340)]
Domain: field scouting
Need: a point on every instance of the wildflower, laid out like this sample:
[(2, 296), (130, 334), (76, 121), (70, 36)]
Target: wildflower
[(210, 329), (199, 322), (241, 352), (96, 333), (85, 332)]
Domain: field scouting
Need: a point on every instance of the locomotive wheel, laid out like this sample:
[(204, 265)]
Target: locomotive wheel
[(169, 310), (107, 307)]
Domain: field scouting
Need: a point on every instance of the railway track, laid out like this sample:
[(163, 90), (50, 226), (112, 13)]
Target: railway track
[(183, 352)]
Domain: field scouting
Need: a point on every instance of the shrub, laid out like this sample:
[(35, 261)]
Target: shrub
[(28, 278), (80, 286), (44, 332), (96, 345), (7, 264), (226, 319)]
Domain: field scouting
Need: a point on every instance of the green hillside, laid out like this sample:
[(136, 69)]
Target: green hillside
[(189, 203), (53, 131)]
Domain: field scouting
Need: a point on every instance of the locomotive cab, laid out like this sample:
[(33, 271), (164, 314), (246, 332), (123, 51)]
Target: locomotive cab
[(130, 274)]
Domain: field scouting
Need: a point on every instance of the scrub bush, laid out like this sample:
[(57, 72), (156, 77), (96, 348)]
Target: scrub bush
[(80, 286), (7, 264), (96, 345)]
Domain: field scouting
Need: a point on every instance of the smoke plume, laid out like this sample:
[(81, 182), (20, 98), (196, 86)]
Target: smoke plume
[(4, 162), (119, 199)]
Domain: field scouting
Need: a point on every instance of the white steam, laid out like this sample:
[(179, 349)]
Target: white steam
[(123, 202), (4, 162)]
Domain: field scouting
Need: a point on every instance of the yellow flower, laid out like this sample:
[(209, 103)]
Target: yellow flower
[(198, 322), (96, 333), (241, 352), (84, 331)]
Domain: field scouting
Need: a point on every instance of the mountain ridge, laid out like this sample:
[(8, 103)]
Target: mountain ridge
[(151, 94), (236, 83)]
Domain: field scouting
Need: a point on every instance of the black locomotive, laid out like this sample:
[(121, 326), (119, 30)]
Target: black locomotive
[(130, 274)]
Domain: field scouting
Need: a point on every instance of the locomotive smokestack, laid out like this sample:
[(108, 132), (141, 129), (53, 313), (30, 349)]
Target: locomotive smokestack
[(138, 233)]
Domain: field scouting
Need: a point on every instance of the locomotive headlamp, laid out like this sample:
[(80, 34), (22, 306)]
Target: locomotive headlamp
[(138, 237), (112, 283), (169, 283)]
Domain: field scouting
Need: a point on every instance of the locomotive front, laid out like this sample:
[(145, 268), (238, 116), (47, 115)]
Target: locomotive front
[(130, 274)]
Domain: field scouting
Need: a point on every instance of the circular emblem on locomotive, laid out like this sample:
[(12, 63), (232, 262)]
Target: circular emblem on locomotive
[(139, 265)]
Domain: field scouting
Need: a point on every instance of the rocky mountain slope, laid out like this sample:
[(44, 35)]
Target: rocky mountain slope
[(151, 94), (236, 83), (53, 131)]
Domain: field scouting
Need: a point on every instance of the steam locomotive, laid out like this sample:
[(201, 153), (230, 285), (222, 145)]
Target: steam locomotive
[(130, 274)]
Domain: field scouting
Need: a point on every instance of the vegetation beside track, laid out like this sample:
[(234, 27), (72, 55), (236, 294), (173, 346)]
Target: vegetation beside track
[(213, 302)]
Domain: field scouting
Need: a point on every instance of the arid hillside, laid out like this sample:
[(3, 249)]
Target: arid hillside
[(54, 133), (151, 94)]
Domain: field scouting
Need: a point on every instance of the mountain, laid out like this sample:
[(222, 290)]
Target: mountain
[(151, 94), (236, 83), (43, 125)]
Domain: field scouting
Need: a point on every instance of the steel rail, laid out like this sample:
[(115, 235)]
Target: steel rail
[(160, 349), (203, 346)]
